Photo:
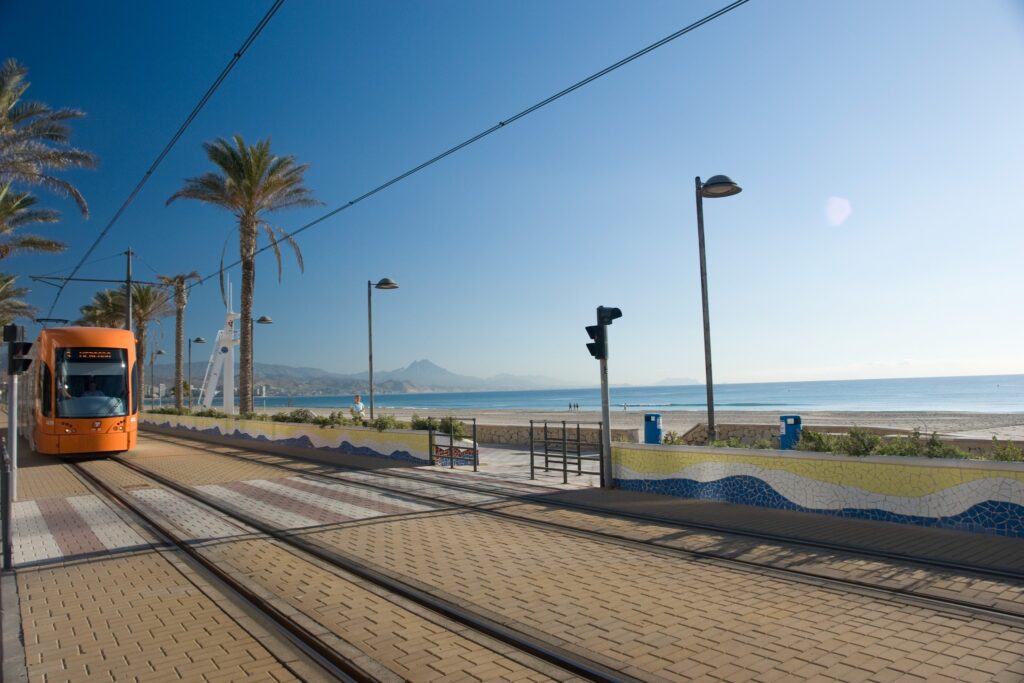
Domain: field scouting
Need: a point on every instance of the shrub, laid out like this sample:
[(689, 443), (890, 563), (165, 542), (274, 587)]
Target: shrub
[(383, 422), (210, 412), (424, 423), (763, 443), (168, 410), (935, 448), (446, 425), (731, 442), (903, 445), (449, 425), (820, 442), (672, 439), (336, 418), (858, 442), (1007, 451), (297, 415)]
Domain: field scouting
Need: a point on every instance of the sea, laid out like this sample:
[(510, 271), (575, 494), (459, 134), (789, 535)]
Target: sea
[(983, 394)]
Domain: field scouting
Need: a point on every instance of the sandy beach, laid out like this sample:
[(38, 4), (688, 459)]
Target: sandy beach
[(964, 425)]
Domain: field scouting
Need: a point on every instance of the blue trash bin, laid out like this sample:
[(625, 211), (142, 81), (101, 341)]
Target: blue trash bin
[(652, 428), (789, 431)]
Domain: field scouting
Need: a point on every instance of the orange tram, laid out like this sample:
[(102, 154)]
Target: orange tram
[(81, 394)]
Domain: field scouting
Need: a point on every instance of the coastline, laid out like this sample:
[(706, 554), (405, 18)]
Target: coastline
[(1004, 426)]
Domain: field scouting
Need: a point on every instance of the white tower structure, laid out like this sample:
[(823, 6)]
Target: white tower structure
[(222, 363)]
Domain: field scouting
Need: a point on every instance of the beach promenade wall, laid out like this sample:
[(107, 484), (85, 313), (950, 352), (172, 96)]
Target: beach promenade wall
[(364, 446), (975, 496)]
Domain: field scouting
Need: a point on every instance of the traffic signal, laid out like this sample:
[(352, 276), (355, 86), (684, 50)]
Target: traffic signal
[(605, 315), (17, 357), (599, 347)]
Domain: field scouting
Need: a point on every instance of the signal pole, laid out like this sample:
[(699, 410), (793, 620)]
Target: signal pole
[(17, 362), (606, 429), (599, 349)]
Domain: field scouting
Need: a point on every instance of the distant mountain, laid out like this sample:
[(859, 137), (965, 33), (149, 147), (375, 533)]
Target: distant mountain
[(417, 377)]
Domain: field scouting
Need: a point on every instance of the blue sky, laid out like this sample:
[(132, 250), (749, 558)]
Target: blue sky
[(909, 111)]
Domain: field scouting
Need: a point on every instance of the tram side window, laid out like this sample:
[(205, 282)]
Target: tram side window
[(46, 390), (136, 390)]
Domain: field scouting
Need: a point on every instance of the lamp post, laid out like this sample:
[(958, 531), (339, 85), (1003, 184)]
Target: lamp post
[(716, 186), (152, 374), (262, 320), (197, 340), (385, 283)]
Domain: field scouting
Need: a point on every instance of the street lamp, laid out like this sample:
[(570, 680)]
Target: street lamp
[(385, 283), (197, 340), (152, 373), (716, 186), (262, 320)]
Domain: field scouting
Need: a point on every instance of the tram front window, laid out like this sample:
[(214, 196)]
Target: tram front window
[(92, 382)]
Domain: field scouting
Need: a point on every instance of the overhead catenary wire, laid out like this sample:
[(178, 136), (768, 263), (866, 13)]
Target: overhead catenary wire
[(496, 127), (235, 58)]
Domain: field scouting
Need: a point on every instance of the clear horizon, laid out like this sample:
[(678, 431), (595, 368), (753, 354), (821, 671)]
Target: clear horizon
[(867, 242)]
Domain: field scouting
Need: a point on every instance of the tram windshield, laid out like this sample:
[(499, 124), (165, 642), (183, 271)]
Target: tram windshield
[(92, 382)]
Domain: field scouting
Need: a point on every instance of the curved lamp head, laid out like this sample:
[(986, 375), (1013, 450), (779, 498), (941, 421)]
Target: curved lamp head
[(386, 283), (199, 340), (264, 320), (720, 186)]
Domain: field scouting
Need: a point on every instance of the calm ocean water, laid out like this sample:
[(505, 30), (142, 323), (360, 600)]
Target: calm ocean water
[(992, 393)]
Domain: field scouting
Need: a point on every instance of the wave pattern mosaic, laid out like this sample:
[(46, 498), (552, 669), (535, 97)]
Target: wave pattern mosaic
[(968, 496), (401, 445)]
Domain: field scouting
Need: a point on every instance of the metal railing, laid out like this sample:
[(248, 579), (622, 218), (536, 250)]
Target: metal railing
[(567, 452), (452, 454)]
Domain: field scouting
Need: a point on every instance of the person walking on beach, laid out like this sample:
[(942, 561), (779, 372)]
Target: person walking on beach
[(358, 408)]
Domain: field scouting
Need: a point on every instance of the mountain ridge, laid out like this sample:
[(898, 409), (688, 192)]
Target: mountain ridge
[(419, 376)]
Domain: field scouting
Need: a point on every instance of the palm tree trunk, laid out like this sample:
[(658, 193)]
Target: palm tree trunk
[(247, 238), (140, 359), (179, 348)]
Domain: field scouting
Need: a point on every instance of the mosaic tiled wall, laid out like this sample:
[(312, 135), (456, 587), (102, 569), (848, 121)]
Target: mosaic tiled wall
[(983, 497), (402, 445)]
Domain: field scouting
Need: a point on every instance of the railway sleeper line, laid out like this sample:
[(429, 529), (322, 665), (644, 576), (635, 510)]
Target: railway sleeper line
[(572, 664), (904, 594)]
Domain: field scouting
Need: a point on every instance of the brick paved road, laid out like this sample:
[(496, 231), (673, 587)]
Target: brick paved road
[(410, 642), (665, 617), (133, 617)]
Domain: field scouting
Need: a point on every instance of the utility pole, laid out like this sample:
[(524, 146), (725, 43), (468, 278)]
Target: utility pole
[(128, 293)]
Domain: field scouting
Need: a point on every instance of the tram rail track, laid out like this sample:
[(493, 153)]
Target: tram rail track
[(1014, 617), (325, 657), (564, 660)]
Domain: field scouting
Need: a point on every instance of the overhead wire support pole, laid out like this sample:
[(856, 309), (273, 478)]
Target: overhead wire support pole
[(498, 126), (235, 58), (129, 308)]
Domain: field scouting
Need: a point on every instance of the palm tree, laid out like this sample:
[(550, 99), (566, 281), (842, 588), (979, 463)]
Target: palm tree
[(179, 282), (16, 211), (34, 139), (251, 182), (11, 305), (105, 310), (149, 304)]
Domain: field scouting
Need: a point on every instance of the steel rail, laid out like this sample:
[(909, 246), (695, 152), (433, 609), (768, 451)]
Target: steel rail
[(523, 642), (323, 655), (844, 583)]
